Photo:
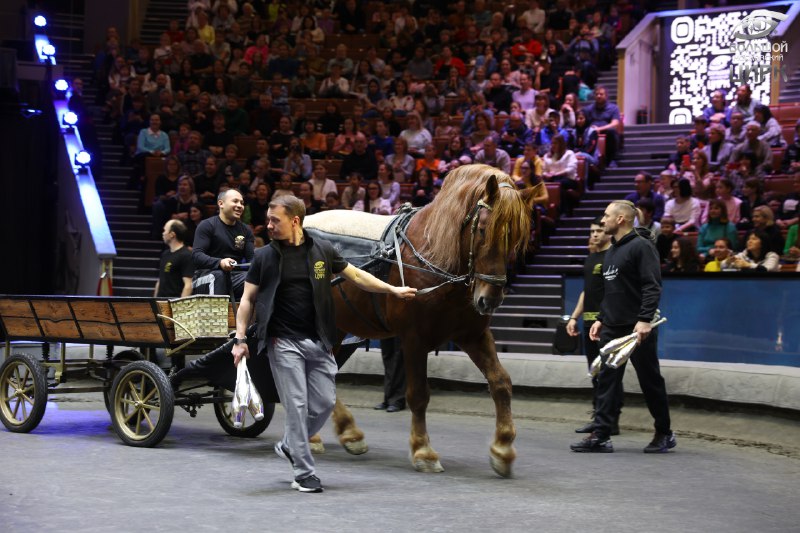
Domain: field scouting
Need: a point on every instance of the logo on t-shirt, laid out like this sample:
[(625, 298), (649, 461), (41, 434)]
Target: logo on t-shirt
[(319, 270), (611, 273), (598, 268), (238, 242), (168, 267)]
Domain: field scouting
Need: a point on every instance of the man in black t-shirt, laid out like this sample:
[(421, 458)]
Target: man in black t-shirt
[(289, 288), (176, 268), (220, 243), (589, 305)]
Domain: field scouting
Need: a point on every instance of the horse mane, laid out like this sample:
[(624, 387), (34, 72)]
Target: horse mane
[(509, 224)]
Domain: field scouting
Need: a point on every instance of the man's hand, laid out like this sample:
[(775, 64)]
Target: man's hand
[(594, 332), (227, 264), (239, 351), (404, 293), (642, 330), (572, 331)]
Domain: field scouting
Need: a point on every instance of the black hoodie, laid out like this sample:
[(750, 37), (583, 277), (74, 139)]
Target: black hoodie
[(632, 275)]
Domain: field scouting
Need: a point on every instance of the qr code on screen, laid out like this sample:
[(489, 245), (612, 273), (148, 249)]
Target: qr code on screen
[(701, 63)]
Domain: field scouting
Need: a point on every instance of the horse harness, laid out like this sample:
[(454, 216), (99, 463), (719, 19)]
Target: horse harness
[(389, 252)]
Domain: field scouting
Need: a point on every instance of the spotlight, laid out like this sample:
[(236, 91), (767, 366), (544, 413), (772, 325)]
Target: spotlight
[(82, 160), (39, 21), (48, 50), (61, 85), (70, 119)]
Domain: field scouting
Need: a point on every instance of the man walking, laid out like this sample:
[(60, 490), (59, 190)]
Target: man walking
[(289, 287), (589, 306), (632, 287)]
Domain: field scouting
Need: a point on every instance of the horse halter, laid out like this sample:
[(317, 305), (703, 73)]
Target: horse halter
[(469, 278), (474, 218)]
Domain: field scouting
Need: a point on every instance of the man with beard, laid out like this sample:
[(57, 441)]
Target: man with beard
[(632, 290), (220, 243)]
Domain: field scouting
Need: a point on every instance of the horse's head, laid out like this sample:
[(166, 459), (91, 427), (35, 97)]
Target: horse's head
[(499, 229), (478, 222)]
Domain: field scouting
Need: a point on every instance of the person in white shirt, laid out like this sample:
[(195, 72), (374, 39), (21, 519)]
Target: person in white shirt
[(374, 202), (320, 183), (560, 166), (534, 17), (684, 208)]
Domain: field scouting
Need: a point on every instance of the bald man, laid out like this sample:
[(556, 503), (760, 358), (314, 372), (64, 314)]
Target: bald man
[(632, 288)]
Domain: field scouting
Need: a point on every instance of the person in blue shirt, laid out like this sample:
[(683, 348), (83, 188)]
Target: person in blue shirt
[(151, 142), (545, 136), (643, 182), (515, 135), (605, 117)]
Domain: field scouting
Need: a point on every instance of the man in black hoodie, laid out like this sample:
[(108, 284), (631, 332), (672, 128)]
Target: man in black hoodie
[(632, 286)]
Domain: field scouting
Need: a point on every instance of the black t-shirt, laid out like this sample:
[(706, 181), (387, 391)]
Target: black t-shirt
[(173, 268), (214, 240), (593, 283), (293, 316)]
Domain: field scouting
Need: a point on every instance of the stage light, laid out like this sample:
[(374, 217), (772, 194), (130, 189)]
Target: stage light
[(39, 21), (61, 85), (82, 160), (48, 50), (70, 119)]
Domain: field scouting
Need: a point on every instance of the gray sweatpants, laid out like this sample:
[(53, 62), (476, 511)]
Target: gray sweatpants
[(305, 376)]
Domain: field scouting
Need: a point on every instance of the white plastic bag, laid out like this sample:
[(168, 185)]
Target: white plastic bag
[(245, 396)]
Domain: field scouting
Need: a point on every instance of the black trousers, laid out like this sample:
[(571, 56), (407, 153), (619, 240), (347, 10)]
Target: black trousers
[(394, 380), (609, 384), (592, 349)]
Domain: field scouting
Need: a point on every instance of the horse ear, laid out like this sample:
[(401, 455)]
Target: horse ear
[(491, 189)]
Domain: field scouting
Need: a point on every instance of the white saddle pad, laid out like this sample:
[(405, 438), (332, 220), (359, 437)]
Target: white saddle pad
[(350, 223)]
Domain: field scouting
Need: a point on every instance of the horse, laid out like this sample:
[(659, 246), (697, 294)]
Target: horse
[(455, 250)]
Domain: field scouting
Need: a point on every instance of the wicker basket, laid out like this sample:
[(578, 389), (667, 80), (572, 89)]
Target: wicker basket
[(203, 315)]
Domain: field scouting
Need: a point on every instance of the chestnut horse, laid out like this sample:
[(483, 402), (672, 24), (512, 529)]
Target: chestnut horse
[(457, 247)]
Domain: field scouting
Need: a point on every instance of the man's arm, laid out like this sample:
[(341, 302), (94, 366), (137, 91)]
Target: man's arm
[(367, 282), (573, 318), (650, 276), (187, 287), (202, 242), (243, 316), (155, 291)]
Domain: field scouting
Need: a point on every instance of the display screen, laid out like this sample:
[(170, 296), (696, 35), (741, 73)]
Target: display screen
[(700, 52)]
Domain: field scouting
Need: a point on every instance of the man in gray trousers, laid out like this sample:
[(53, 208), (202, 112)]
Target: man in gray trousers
[(289, 286)]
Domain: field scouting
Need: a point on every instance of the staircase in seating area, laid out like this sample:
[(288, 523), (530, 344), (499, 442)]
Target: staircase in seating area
[(158, 15), (525, 323), (791, 91)]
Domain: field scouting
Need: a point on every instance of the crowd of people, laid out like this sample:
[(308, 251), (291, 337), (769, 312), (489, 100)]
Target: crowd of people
[(436, 85), (708, 207)]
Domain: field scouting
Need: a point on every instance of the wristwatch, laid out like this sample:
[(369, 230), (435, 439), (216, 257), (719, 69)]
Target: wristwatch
[(238, 341)]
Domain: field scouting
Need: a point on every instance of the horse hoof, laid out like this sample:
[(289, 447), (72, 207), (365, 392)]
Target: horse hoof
[(317, 448), (356, 447), (428, 466), (500, 467)]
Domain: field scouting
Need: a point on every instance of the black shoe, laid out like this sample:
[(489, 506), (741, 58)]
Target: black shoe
[(661, 443), (308, 484), (395, 407), (593, 444), (283, 452), (381, 406), (615, 428), (586, 428)]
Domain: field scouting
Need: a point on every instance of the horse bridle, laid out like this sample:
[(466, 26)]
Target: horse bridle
[(472, 219)]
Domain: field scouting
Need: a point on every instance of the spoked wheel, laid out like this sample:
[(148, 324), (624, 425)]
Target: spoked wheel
[(250, 426), (23, 393), (142, 404), (120, 360)]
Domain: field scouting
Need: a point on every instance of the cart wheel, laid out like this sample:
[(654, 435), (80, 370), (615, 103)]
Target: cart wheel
[(119, 360), (142, 404), (23, 393), (251, 427)]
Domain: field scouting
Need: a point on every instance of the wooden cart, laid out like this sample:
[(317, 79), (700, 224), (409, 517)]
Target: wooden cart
[(138, 393)]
